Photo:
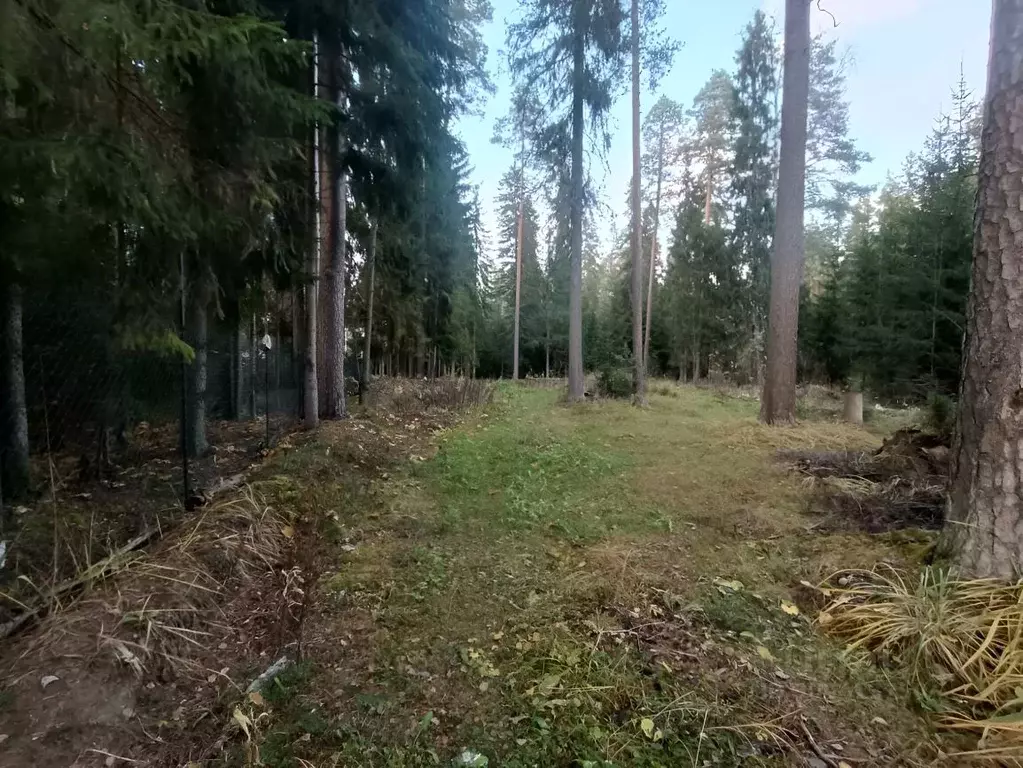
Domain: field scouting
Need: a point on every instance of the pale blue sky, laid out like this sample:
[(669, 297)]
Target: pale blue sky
[(906, 58)]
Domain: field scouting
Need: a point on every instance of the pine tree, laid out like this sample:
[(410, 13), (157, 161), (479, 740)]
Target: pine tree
[(778, 403), (753, 111), (571, 54)]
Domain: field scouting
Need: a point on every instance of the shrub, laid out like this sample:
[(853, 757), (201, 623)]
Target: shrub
[(940, 415), (615, 380)]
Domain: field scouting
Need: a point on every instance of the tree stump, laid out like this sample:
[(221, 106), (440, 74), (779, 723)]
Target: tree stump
[(852, 410)]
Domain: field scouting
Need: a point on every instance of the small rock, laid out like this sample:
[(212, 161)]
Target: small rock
[(879, 721), (47, 681), (3, 737), (128, 713), (816, 762)]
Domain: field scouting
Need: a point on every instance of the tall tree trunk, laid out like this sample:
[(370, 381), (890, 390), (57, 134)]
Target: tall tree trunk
[(986, 500), (198, 316), (778, 404), (653, 247), (709, 198), (13, 406), (371, 263), (518, 289), (253, 365), (334, 344), (237, 337), (310, 392), (638, 349), (576, 384)]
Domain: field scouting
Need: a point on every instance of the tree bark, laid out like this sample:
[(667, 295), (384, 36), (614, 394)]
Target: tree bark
[(310, 394), (778, 404), (986, 502), (334, 344), (518, 289), (638, 349), (371, 260), (237, 337), (13, 407), (852, 407), (576, 385), (198, 314)]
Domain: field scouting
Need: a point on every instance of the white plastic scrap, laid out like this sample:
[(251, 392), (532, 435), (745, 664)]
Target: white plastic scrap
[(472, 759), (271, 672)]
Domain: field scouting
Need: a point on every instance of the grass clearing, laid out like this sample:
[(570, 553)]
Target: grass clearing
[(592, 585)]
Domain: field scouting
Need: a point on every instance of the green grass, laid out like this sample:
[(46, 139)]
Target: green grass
[(546, 588)]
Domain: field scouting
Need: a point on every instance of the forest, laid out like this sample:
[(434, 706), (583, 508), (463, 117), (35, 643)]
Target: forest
[(575, 475), (159, 216)]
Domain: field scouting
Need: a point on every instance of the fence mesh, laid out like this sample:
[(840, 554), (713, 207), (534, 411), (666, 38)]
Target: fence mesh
[(106, 408)]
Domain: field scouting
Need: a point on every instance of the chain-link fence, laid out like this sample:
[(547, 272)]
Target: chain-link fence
[(128, 426)]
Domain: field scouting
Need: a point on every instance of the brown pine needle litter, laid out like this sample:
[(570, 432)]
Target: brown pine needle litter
[(962, 641)]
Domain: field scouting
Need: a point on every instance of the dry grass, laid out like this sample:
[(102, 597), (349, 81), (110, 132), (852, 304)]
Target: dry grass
[(403, 397), (960, 639), (161, 612)]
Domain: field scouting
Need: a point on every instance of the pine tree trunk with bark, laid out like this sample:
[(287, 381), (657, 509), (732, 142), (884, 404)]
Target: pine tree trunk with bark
[(334, 343), (576, 379), (778, 403), (518, 288), (638, 351), (13, 407), (985, 527), (371, 261), (310, 389), (198, 317)]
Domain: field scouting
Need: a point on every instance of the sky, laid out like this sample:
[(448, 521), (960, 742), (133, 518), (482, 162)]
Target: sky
[(906, 57)]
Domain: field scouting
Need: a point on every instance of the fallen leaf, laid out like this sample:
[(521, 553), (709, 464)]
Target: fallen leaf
[(879, 721), (765, 653), (257, 698), (790, 608), (780, 675), (288, 531), (733, 585), (843, 764), (243, 721), (647, 726)]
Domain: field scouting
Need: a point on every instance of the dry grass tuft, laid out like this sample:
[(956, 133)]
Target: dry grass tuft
[(961, 639), (161, 613), (404, 397)]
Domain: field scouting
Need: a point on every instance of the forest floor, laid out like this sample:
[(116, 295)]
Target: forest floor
[(542, 585)]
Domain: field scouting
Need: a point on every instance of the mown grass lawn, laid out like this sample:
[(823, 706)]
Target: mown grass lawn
[(589, 586)]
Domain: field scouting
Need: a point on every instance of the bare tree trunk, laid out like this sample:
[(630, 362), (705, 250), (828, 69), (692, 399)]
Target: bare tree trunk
[(310, 397), (371, 263), (638, 348), (237, 388), (518, 289), (576, 382), (253, 366), (13, 406), (334, 344), (778, 404), (198, 316), (986, 500), (710, 197)]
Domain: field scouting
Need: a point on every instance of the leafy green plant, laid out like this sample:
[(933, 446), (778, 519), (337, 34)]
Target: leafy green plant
[(614, 379)]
